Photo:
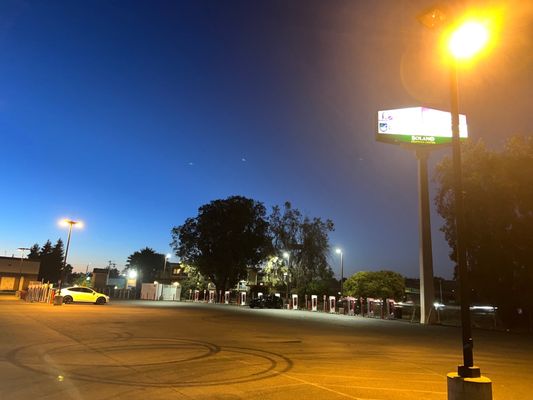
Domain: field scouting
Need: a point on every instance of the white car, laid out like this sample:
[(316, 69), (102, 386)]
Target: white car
[(83, 295)]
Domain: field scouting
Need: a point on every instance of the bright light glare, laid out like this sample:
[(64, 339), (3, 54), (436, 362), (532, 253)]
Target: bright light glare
[(468, 40), (338, 251), (168, 256), (285, 254), (132, 274), (65, 222)]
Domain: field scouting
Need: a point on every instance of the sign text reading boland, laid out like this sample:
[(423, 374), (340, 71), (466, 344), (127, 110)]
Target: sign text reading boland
[(418, 125)]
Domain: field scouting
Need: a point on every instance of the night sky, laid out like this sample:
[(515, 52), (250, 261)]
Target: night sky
[(129, 115)]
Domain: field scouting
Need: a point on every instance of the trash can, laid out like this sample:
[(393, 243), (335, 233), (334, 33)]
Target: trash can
[(58, 300)]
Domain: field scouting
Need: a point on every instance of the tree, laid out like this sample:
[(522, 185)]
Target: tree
[(78, 278), (307, 243), (51, 258), (376, 284), (498, 203), (274, 270), (35, 253), (359, 285), (57, 258), (194, 280), (147, 263), (225, 238)]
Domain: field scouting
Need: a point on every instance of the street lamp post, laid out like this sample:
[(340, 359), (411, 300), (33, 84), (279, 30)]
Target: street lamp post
[(467, 40), (167, 257), (466, 370), (287, 256), (70, 224), (339, 251), (22, 250)]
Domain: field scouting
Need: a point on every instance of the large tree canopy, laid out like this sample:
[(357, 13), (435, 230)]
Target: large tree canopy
[(51, 258), (225, 238), (305, 241), (498, 203), (147, 263), (377, 284)]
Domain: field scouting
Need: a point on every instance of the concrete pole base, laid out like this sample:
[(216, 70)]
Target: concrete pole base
[(460, 388)]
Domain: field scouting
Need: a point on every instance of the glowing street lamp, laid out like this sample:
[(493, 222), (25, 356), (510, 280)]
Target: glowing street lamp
[(464, 43), (468, 39), (70, 223), (339, 251)]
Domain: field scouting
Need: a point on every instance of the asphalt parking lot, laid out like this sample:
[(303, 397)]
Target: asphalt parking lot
[(161, 350)]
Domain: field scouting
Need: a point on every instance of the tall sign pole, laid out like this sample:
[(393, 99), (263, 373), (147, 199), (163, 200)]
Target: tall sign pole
[(421, 129), (427, 290)]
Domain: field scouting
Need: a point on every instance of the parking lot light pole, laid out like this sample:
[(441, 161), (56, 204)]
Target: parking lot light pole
[(167, 257), (287, 256), (339, 251), (467, 40), (70, 224), (22, 250)]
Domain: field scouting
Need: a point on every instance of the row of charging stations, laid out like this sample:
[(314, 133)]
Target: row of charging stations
[(329, 303), (212, 293)]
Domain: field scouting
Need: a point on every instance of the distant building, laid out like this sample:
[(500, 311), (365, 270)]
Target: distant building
[(16, 273), (99, 278), (173, 272)]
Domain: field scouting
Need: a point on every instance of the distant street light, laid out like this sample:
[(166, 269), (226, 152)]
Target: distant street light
[(22, 250), (467, 40), (70, 223), (167, 257), (339, 251)]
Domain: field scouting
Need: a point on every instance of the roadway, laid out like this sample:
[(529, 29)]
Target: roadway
[(162, 350)]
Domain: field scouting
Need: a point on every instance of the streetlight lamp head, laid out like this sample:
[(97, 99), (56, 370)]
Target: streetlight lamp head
[(338, 251), (469, 39), (168, 256), (433, 17), (285, 254), (69, 222)]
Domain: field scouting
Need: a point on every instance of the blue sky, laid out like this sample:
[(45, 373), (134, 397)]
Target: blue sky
[(129, 115)]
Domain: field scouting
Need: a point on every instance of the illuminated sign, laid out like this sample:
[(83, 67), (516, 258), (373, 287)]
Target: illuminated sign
[(418, 125)]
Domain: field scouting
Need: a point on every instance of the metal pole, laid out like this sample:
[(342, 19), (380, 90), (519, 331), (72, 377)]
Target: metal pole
[(22, 250), (70, 223), (427, 291), (342, 272), (467, 370)]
